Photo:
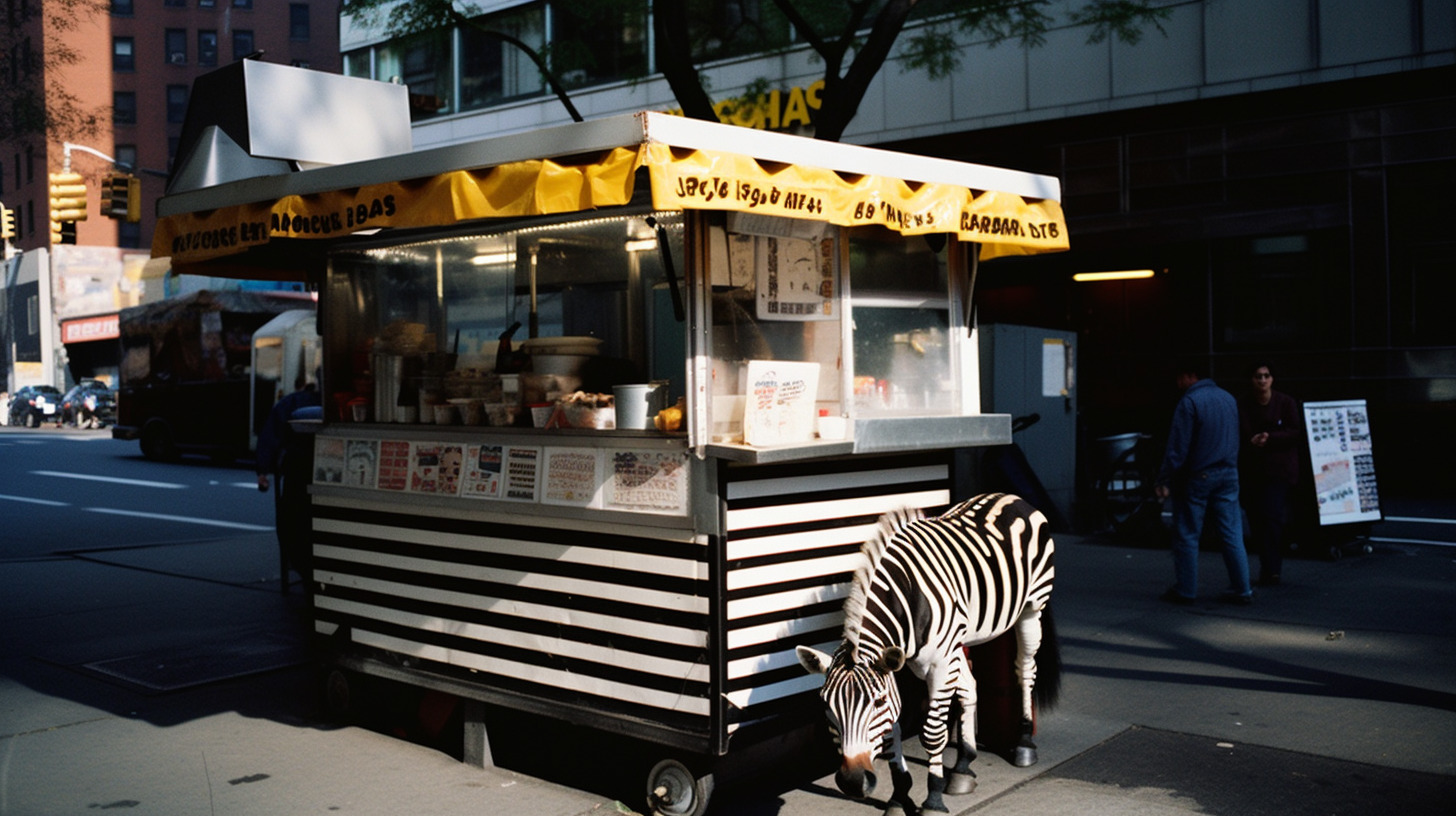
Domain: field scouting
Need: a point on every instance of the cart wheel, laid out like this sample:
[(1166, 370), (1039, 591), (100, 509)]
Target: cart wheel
[(156, 442), (672, 790), (1336, 552)]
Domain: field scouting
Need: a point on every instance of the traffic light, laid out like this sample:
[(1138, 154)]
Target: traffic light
[(7, 223), (124, 198), (68, 205)]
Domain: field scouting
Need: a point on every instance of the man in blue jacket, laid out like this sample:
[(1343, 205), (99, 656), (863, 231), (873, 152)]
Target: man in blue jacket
[(1200, 471)]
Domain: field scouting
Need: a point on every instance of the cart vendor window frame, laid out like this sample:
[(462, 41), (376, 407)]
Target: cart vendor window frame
[(442, 300), (864, 318)]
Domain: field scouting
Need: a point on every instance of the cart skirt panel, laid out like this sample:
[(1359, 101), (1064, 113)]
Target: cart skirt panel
[(794, 534)]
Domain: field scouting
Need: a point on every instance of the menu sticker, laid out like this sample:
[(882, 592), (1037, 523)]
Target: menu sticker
[(572, 476), (647, 481), (394, 464), (522, 474)]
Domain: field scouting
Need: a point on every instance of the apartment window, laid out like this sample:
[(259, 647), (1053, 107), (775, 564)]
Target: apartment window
[(176, 103), (126, 157), (298, 21), (176, 3), (243, 4), (207, 48), (123, 108), (206, 3), (242, 43), (121, 8), (123, 54), (176, 46)]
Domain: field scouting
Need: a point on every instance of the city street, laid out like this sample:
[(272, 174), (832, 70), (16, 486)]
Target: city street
[(149, 663)]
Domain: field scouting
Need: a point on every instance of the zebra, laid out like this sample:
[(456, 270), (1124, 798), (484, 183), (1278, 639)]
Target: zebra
[(928, 588)]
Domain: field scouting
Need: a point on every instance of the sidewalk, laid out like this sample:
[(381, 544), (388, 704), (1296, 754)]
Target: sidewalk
[(173, 680)]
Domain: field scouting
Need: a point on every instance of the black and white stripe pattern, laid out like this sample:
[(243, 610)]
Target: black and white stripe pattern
[(679, 631), (928, 588)]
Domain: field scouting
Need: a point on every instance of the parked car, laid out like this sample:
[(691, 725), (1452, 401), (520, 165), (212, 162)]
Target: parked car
[(89, 404), (33, 404)]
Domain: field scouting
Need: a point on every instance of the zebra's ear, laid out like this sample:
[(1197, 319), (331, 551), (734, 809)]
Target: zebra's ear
[(891, 660), (813, 660)]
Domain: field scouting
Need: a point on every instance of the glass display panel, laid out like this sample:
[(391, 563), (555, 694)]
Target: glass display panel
[(776, 336), (904, 357), (509, 318)]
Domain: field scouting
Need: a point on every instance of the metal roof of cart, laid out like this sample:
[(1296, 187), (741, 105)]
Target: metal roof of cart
[(690, 164)]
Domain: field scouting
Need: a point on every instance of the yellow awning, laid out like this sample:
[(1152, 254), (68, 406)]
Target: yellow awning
[(1005, 224)]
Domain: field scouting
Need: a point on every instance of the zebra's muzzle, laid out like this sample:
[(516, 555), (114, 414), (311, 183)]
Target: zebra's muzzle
[(855, 777)]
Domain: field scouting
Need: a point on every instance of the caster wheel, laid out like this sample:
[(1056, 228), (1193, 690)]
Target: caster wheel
[(673, 790)]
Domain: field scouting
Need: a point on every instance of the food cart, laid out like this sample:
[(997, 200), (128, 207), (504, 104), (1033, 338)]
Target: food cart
[(610, 407)]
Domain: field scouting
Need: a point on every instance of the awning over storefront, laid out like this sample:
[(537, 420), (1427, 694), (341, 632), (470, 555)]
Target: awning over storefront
[(690, 165)]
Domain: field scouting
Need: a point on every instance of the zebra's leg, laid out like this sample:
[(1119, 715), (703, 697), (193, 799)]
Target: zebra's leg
[(934, 736), (962, 779), (900, 778), (1028, 641)]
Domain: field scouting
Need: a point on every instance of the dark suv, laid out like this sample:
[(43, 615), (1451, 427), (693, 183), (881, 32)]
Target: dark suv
[(33, 404), (89, 404)]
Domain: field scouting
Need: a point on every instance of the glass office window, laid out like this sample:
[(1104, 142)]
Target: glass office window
[(491, 71)]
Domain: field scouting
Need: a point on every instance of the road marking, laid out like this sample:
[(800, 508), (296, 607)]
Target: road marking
[(234, 525), (112, 479), (28, 500)]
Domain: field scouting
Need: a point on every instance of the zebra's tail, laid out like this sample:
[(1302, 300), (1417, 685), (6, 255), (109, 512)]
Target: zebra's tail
[(1048, 663)]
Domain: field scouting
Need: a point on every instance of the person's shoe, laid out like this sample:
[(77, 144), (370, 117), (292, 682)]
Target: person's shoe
[(1172, 597), (1231, 597)]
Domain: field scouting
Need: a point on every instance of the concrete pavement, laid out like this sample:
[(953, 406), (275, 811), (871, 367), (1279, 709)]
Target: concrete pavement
[(173, 680)]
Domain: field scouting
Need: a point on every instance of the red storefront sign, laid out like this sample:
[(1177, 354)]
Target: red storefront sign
[(86, 329)]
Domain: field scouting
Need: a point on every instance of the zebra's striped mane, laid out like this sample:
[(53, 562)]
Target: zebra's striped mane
[(871, 553)]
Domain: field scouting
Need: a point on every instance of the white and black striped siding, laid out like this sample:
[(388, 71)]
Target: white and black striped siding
[(613, 621), (794, 534)]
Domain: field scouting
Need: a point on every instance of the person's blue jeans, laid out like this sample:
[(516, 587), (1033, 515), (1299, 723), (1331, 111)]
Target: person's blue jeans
[(1210, 497)]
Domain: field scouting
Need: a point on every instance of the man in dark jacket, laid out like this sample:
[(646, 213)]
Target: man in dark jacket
[(288, 456), (1272, 432), (1200, 472)]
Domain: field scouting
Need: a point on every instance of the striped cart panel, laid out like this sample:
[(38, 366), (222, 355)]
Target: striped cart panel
[(612, 618), (793, 536)]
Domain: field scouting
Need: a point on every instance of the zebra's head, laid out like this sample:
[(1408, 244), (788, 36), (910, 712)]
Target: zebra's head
[(862, 703)]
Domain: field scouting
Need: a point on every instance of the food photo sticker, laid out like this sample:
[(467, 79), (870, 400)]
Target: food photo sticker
[(329, 460), (484, 472), (435, 468)]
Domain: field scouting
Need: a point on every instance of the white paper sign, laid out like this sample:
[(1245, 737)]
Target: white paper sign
[(1343, 460), (780, 405)]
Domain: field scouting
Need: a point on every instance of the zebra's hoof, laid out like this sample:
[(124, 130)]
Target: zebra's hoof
[(960, 784), (1024, 756)]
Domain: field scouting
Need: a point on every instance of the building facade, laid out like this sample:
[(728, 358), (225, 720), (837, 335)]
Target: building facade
[(1280, 164), (135, 61)]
